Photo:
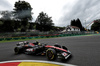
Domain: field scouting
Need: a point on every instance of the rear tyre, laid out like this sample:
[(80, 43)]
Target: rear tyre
[(51, 54), (17, 50)]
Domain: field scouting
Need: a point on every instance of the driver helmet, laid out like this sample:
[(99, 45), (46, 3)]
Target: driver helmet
[(36, 42), (39, 44)]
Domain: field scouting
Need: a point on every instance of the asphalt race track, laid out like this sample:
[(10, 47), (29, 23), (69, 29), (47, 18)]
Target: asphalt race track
[(85, 50)]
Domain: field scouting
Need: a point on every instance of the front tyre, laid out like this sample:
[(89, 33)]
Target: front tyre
[(51, 54)]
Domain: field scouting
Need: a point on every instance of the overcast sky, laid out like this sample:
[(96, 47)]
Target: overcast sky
[(61, 11)]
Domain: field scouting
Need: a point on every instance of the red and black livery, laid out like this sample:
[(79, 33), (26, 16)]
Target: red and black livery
[(51, 52)]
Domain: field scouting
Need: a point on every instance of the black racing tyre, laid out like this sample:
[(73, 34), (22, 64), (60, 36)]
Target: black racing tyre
[(17, 50), (57, 46), (51, 54)]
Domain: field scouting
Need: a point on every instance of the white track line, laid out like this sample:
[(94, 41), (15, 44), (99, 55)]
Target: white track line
[(38, 61)]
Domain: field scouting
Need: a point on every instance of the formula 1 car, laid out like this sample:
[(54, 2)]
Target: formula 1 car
[(51, 52)]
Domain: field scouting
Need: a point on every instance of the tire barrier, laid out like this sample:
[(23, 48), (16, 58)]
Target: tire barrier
[(52, 36), (47, 36), (57, 35), (36, 37), (43, 36), (29, 37), (23, 37), (16, 38), (1, 39), (8, 38)]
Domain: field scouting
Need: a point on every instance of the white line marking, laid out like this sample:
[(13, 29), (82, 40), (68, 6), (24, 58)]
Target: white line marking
[(38, 61)]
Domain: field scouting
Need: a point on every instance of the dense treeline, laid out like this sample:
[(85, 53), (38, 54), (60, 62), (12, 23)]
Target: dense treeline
[(19, 20)]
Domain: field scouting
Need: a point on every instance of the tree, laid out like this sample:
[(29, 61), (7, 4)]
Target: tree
[(96, 25), (6, 15), (73, 22), (32, 25), (6, 21), (43, 22), (1, 25), (57, 28), (77, 23), (22, 12)]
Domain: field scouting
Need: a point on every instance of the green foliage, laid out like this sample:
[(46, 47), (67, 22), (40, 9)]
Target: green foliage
[(77, 23), (96, 25), (6, 21), (43, 22), (32, 25), (56, 28), (1, 23), (18, 29), (22, 10), (73, 22), (18, 19), (22, 13)]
